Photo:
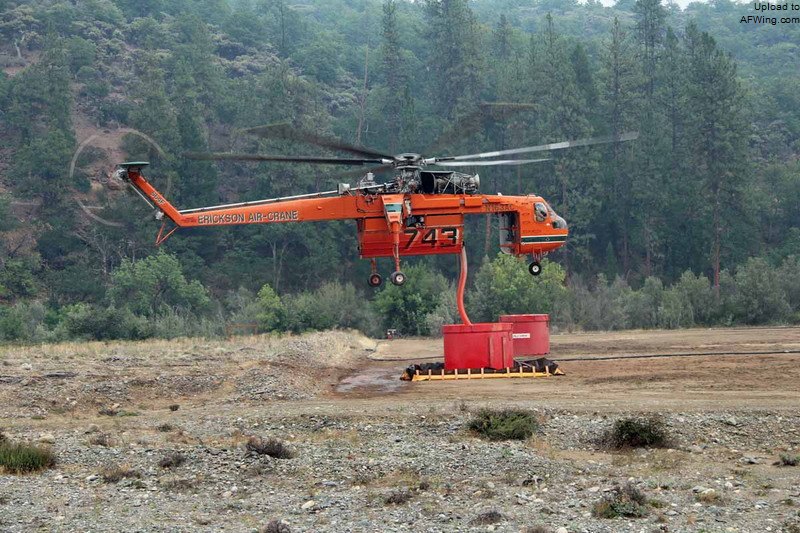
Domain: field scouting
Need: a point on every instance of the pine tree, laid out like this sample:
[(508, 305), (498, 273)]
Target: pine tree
[(718, 151), (394, 74)]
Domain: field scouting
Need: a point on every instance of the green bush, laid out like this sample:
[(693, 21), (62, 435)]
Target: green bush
[(24, 458), (638, 432), (149, 286), (270, 308), (507, 424), (406, 308), (760, 296), (84, 321), (504, 286)]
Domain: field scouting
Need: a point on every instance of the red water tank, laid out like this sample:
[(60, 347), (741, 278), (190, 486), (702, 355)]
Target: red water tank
[(531, 333), (477, 346)]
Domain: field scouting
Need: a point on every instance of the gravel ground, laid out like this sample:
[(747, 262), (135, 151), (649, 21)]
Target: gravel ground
[(380, 463)]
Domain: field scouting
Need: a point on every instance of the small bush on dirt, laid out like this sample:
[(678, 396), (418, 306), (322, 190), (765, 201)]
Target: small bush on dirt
[(179, 485), (116, 473), (276, 526), (100, 439), (174, 407), (398, 497), (537, 529), (24, 458), (165, 428), (172, 460), (107, 411), (708, 496), (787, 459), (487, 518), (508, 424), (272, 447), (638, 432), (626, 501)]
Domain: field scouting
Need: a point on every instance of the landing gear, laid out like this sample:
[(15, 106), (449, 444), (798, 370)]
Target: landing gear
[(398, 278), (375, 280), (535, 268)]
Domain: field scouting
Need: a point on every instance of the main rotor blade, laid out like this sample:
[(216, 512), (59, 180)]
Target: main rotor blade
[(514, 162), (285, 130), (221, 156), (628, 136)]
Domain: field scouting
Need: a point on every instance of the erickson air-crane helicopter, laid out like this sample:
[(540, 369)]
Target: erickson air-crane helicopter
[(420, 211)]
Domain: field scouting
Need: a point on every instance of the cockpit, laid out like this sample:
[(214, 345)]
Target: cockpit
[(541, 211)]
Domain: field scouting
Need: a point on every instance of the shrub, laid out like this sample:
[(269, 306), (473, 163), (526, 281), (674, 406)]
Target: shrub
[(626, 501), (270, 308), (406, 308), (116, 473), (760, 296), (398, 497), (172, 460), (509, 424), (272, 447), (487, 518), (789, 460), (24, 458), (165, 428), (100, 439), (504, 286), (638, 432), (276, 526), (150, 285)]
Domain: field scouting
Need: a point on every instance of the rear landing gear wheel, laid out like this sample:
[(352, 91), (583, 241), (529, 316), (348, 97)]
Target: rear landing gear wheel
[(375, 280), (398, 278), (535, 268)]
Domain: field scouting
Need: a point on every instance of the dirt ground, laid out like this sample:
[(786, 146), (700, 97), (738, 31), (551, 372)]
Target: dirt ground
[(373, 453), (769, 380)]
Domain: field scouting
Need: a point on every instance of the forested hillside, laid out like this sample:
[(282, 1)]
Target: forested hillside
[(696, 222)]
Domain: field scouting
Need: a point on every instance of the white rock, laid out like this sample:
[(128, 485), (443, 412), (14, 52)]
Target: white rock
[(562, 530), (47, 438), (308, 505), (594, 489)]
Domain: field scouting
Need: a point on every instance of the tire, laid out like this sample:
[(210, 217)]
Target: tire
[(375, 280), (398, 278), (535, 268)]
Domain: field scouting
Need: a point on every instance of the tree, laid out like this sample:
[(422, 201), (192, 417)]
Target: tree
[(717, 136), (504, 286), (393, 72), (155, 284), (406, 308)]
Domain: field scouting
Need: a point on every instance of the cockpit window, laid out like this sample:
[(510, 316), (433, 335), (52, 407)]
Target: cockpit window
[(540, 211), (556, 221)]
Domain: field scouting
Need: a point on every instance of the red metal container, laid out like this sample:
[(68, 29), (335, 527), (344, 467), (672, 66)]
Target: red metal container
[(531, 333), (477, 346)]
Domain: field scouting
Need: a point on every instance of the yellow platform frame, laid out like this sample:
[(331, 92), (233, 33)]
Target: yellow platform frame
[(442, 375)]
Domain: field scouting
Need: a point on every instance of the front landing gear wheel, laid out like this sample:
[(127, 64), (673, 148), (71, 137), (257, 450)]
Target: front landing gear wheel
[(535, 268), (398, 278), (375, 280)]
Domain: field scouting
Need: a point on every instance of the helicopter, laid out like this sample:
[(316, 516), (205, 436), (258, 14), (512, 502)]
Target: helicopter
[(419, 211)]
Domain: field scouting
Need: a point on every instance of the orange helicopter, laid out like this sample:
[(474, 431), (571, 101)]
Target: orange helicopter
[(419, 212)]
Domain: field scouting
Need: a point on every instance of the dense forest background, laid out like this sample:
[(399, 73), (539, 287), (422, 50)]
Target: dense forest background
[(696, 222)]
